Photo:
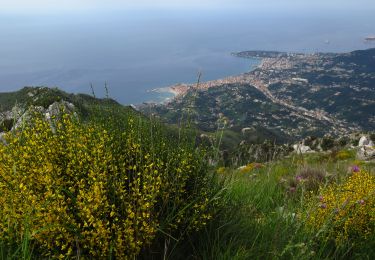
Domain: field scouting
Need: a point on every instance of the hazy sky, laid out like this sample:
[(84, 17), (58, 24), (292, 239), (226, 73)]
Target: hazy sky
[(56, 5)]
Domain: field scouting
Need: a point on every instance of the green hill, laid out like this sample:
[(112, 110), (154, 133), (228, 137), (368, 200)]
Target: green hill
[(44, 96)]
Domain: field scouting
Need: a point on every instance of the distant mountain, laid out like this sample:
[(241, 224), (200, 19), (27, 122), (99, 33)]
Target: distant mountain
[(289, 96)]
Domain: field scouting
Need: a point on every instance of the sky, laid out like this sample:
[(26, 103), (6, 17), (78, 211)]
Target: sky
[(70, 43), (66, 5)]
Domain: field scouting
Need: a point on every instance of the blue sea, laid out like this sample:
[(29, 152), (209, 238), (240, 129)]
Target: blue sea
[(134, 51)]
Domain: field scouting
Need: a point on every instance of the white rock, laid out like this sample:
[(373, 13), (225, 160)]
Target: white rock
[(366, 153), (301, 149), (26, 117), (246, 129), (363, 141), (57, 108)]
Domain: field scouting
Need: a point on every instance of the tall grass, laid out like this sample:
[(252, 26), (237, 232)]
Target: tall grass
[(260, 216)]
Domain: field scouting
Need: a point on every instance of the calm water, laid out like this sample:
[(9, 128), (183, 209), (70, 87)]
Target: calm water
[(137, 51)]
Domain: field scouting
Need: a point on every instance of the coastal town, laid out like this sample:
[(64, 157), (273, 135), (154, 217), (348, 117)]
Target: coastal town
[(295, 81)]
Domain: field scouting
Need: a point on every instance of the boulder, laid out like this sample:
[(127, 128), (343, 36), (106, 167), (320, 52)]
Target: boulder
[(56, 108), (18, 117), (8, 118), (26, 117), (365, 141), (302, 149), (246, 129), (366, 153)]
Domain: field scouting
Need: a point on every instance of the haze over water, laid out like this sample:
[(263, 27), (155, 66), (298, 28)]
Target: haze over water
[(135, 51)]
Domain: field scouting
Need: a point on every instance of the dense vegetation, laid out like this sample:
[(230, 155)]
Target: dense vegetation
[(318, 206), (241, 105), (117, 185), (44, 96), (114, 187)]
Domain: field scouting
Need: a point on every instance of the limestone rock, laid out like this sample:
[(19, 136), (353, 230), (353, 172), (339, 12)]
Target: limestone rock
[(26, 117), (365, 141), (302, 149), (57, 108), (19, 116), (246, 129), (366, 153)]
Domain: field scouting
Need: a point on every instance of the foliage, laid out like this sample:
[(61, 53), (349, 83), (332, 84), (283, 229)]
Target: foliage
[(344, 211), (259, 218), (93, 190), (372, 137), (44, 96), (344, 155), (250, 167), (306, 179), (118, 185), (327, 143), (6, 125), (263, 152)]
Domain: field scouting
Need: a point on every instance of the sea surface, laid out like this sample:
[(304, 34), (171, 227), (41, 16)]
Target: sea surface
[(139, 50)]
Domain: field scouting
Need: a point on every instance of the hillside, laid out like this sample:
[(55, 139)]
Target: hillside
[(93, 179), (98, 184), (44, 96), (291, 95), (14, 104)]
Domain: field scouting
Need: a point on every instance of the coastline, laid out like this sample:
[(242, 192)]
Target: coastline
[(267, 60), (180, 89)]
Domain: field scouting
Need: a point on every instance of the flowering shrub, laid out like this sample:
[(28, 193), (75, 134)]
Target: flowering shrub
[(250, 167), (76, 189), (343, 155), (345, 210)]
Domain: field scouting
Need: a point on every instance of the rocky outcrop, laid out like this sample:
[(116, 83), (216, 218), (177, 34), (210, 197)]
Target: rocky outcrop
[(15, 119), (365, 141), (8, 118), (247, 129), (26, 117), (302, 149), (56, 108), (366, 153), (366, 149)]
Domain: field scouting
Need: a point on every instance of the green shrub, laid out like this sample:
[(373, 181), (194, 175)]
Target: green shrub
[(327, 143), (6, 125), (344, 212), (96, 190)]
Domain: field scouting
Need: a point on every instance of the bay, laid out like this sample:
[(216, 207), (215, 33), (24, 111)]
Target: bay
[(135, 51)]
